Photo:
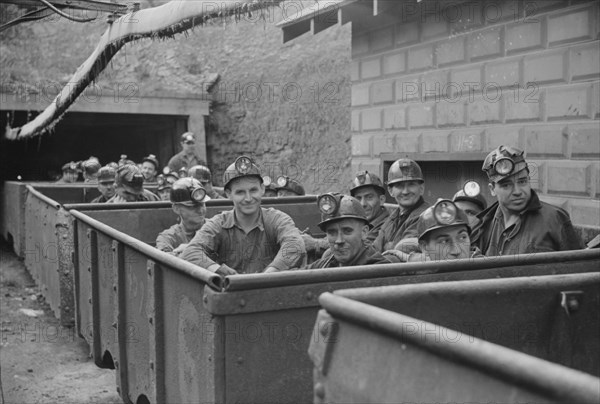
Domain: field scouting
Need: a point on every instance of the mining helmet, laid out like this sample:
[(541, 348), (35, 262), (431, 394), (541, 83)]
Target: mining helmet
[(201, 173), (106, 174), (151, 158), (471, 192), (242, 167), (71, 166), (404, 170), (443, 214), (124, 160), (187, 137), (289, 184), (188, 191), (130, 177), (366, 179), (504, 162), (336, 206), (166, 179), (91, 166), (182, 173)]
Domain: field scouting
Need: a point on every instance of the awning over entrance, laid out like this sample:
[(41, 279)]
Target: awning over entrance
[(327, 13)]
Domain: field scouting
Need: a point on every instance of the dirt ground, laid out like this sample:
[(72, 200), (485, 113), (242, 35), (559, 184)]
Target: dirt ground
[(40, 361)]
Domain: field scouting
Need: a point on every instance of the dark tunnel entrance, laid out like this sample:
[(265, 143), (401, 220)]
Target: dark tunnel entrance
[(82, 134)]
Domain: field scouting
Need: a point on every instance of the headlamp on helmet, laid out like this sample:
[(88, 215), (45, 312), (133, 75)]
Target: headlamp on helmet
[(267, 180), (328, 203), (182, 172), (472, 189), (198, 194), (282, 181), (243, 164), (445, 212), (504, 166)]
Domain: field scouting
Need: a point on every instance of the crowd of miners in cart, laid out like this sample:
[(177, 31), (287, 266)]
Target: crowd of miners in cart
[(359, 228)]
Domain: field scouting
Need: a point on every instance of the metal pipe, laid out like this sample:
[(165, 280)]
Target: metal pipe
[(561, 383), (297, 277), (196, 272), (42, 197)]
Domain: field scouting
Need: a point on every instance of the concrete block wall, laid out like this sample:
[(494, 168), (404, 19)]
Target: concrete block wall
[(448, 77)]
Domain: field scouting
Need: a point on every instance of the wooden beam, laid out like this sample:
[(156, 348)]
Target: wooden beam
[(164, 21)]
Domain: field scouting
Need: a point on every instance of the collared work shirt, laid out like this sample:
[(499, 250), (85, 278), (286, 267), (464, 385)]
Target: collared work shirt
[(377, 223), (183, 160), (399, 226), (99, 199), (367, 256), (541, 227), (273, 242), (173, 237)]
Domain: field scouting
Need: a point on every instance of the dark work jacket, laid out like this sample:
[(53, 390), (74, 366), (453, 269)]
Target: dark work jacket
[(377, 224), (541, 227), (399, 226), (368, 256)]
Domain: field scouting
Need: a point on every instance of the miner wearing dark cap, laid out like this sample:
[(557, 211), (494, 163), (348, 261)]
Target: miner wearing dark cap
[(407, 186), (519, 222), (248, 238), (70, 173), (150, 168), (188, 199), (129, 186), (106, 184), (204, 175), (287, 186), (187, 157), (345, 223), (368, 189), (90, 168)]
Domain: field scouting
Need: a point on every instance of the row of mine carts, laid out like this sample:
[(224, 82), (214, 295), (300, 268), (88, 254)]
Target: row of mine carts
[(502, 329)]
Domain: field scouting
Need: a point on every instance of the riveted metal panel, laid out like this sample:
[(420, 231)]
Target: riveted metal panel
[(508, 340)]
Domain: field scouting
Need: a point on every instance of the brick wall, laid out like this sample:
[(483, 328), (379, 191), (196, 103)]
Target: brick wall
[(473, 75)]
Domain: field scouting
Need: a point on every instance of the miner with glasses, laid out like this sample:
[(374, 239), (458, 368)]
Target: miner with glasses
[(187, 157), (519, 222), (248, 238), (188, 198), (345, 224)]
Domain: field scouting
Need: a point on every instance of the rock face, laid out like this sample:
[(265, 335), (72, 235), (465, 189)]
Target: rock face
[(288, 106)]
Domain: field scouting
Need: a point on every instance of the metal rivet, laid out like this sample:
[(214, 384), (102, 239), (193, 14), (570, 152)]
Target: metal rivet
[(324, 329), (242, 302), (239, 360), (309, 296), (320, 390), (573, 304)]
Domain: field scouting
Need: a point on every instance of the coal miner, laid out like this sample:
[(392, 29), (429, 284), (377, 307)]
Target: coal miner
[(186, 158), (165, 182), (287, 186), (368, 189), (188, 198), (519, 222), (204, 175), (406, 185), (470, 201), (345, 223), (129, 184), (106, 184), (248, 238), (70, 173), (150, 168)]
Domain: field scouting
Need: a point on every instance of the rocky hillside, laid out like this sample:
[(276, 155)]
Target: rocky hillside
[(286, 105)]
